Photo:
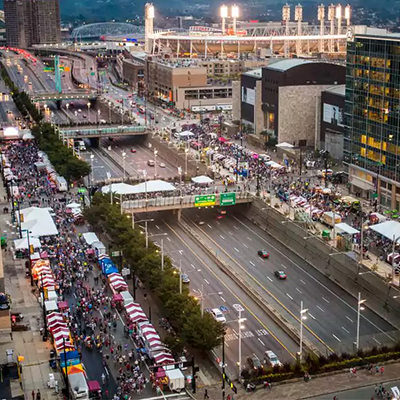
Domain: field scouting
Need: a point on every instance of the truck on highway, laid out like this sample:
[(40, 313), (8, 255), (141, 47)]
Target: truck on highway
[(80, 144)]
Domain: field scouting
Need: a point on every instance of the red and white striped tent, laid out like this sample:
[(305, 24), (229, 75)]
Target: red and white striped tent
[(47, 282), (102, 256), (135, 312), (163, 358), (60, 332), (117, 281), (59, 344), (119, 285), (151, 336), (54, 318)]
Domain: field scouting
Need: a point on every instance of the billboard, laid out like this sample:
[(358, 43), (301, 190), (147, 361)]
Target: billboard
[(208, 200), (333, 115), (227, 199), (248, 95)]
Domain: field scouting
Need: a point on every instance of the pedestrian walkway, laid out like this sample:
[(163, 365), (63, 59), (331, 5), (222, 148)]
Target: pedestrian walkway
[(29, 344), (317, 386)]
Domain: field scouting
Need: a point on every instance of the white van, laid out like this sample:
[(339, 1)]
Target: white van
[(62, 185), (80, 144)]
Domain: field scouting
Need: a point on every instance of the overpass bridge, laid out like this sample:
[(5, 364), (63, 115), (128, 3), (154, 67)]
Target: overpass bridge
[(64, 96), (179, 203), (99, 131)]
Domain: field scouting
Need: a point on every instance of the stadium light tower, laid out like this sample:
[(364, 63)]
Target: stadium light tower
[(235, 16), (298, 16), (331, 17), (339, 19), (286, 19), (148, 25), (347, 14), (321, 19), (224, 15)]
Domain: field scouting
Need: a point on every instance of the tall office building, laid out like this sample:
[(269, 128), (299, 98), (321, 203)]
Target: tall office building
[(31, 22), (372, 117)]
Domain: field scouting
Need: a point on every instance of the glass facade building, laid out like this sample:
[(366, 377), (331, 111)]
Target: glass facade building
[(372, 117)]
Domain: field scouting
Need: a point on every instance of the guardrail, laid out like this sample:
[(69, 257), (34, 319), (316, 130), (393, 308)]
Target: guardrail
[(181, 202), (103, 131)]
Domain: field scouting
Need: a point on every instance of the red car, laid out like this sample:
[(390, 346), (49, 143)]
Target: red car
[(133, 150)]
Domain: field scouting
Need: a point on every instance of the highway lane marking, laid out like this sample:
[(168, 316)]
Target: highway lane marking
[(283, 266), (251, 262), (288, 295), (249, 238), (317, 281), (376, 341), (236, 249), (192, 266), (301, 280), (226, 344), (261, 342), (172, 259), (168, 239), (74, 295), (245, 246), (235, 227), (299, 290), (209, 226), (345, 329), (157, 227), (233, 294), (230, 233), (260, 284), (320, 308), (336, 337), (312, 316), (325, 299), (349, 319), (221, 237), (222, 299), (206, 281), (269, 279), (217, 223)]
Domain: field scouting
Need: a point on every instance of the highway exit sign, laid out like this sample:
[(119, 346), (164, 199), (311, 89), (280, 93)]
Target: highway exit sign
[(205, 200), (227, 199)]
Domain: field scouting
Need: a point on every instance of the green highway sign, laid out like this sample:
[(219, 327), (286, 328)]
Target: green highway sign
[(227, 199), (205, 200), (48, 69)]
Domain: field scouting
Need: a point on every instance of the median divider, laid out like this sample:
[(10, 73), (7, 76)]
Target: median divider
[(256, 297), (108, 156)]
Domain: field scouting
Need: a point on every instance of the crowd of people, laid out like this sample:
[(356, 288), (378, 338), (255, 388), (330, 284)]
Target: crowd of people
[(91, 314)]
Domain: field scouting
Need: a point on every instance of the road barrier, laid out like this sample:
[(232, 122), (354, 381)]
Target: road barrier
[(282, 322)]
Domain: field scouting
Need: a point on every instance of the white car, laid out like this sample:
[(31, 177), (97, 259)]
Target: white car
[(272, 359), (162, 165), (218, 316)]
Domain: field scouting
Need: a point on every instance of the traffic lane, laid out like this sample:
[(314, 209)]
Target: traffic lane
[(101, 165), (342, 327), (316, 278), (276, 339), (285, 295), (255, 338)]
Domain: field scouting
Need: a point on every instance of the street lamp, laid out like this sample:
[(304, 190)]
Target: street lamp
[(240, 320), (88, 109), (109, 112), (67, 106), (29, 252), (123, 163), (155, 163), (91, 161), (359, 309), (186, 160), (302, 317)]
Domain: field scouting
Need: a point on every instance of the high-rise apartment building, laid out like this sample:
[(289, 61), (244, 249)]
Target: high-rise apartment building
[(31, 22), (372, 117)]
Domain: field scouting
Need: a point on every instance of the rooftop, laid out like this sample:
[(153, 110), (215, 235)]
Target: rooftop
[(255, 73), (337, 89), (286, 64)]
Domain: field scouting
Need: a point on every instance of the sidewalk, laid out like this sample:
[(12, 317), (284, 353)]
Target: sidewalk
[(29, 344), (297, 389)]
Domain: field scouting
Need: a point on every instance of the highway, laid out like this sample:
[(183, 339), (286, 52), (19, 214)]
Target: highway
[(259, 333), (332, 312)]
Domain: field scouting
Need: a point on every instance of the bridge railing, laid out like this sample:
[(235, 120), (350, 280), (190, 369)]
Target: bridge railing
[(102, 130), (188, 200)]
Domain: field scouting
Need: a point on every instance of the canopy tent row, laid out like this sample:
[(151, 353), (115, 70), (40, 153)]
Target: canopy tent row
[(388, 229), (202, 179), (145, 187), (37, 221)]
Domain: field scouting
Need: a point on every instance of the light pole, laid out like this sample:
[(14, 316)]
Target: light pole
[(91, 162), (123, 164), (302, 317), (393, 249), (155, 163), (162, 254), (98, 117), (109, 112), (240, 320), (359, 309), (145, 184), (186, 161), (180, 276), (29, 252), (88, 110)]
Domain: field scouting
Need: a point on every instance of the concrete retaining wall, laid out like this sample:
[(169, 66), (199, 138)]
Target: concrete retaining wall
[(340, 268)]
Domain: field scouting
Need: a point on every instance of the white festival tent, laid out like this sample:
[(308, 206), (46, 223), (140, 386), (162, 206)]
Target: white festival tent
[(389, 229), (38, 222), (73, 205), (202, 179), (145, 187), (21, 244), (285, 144)]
